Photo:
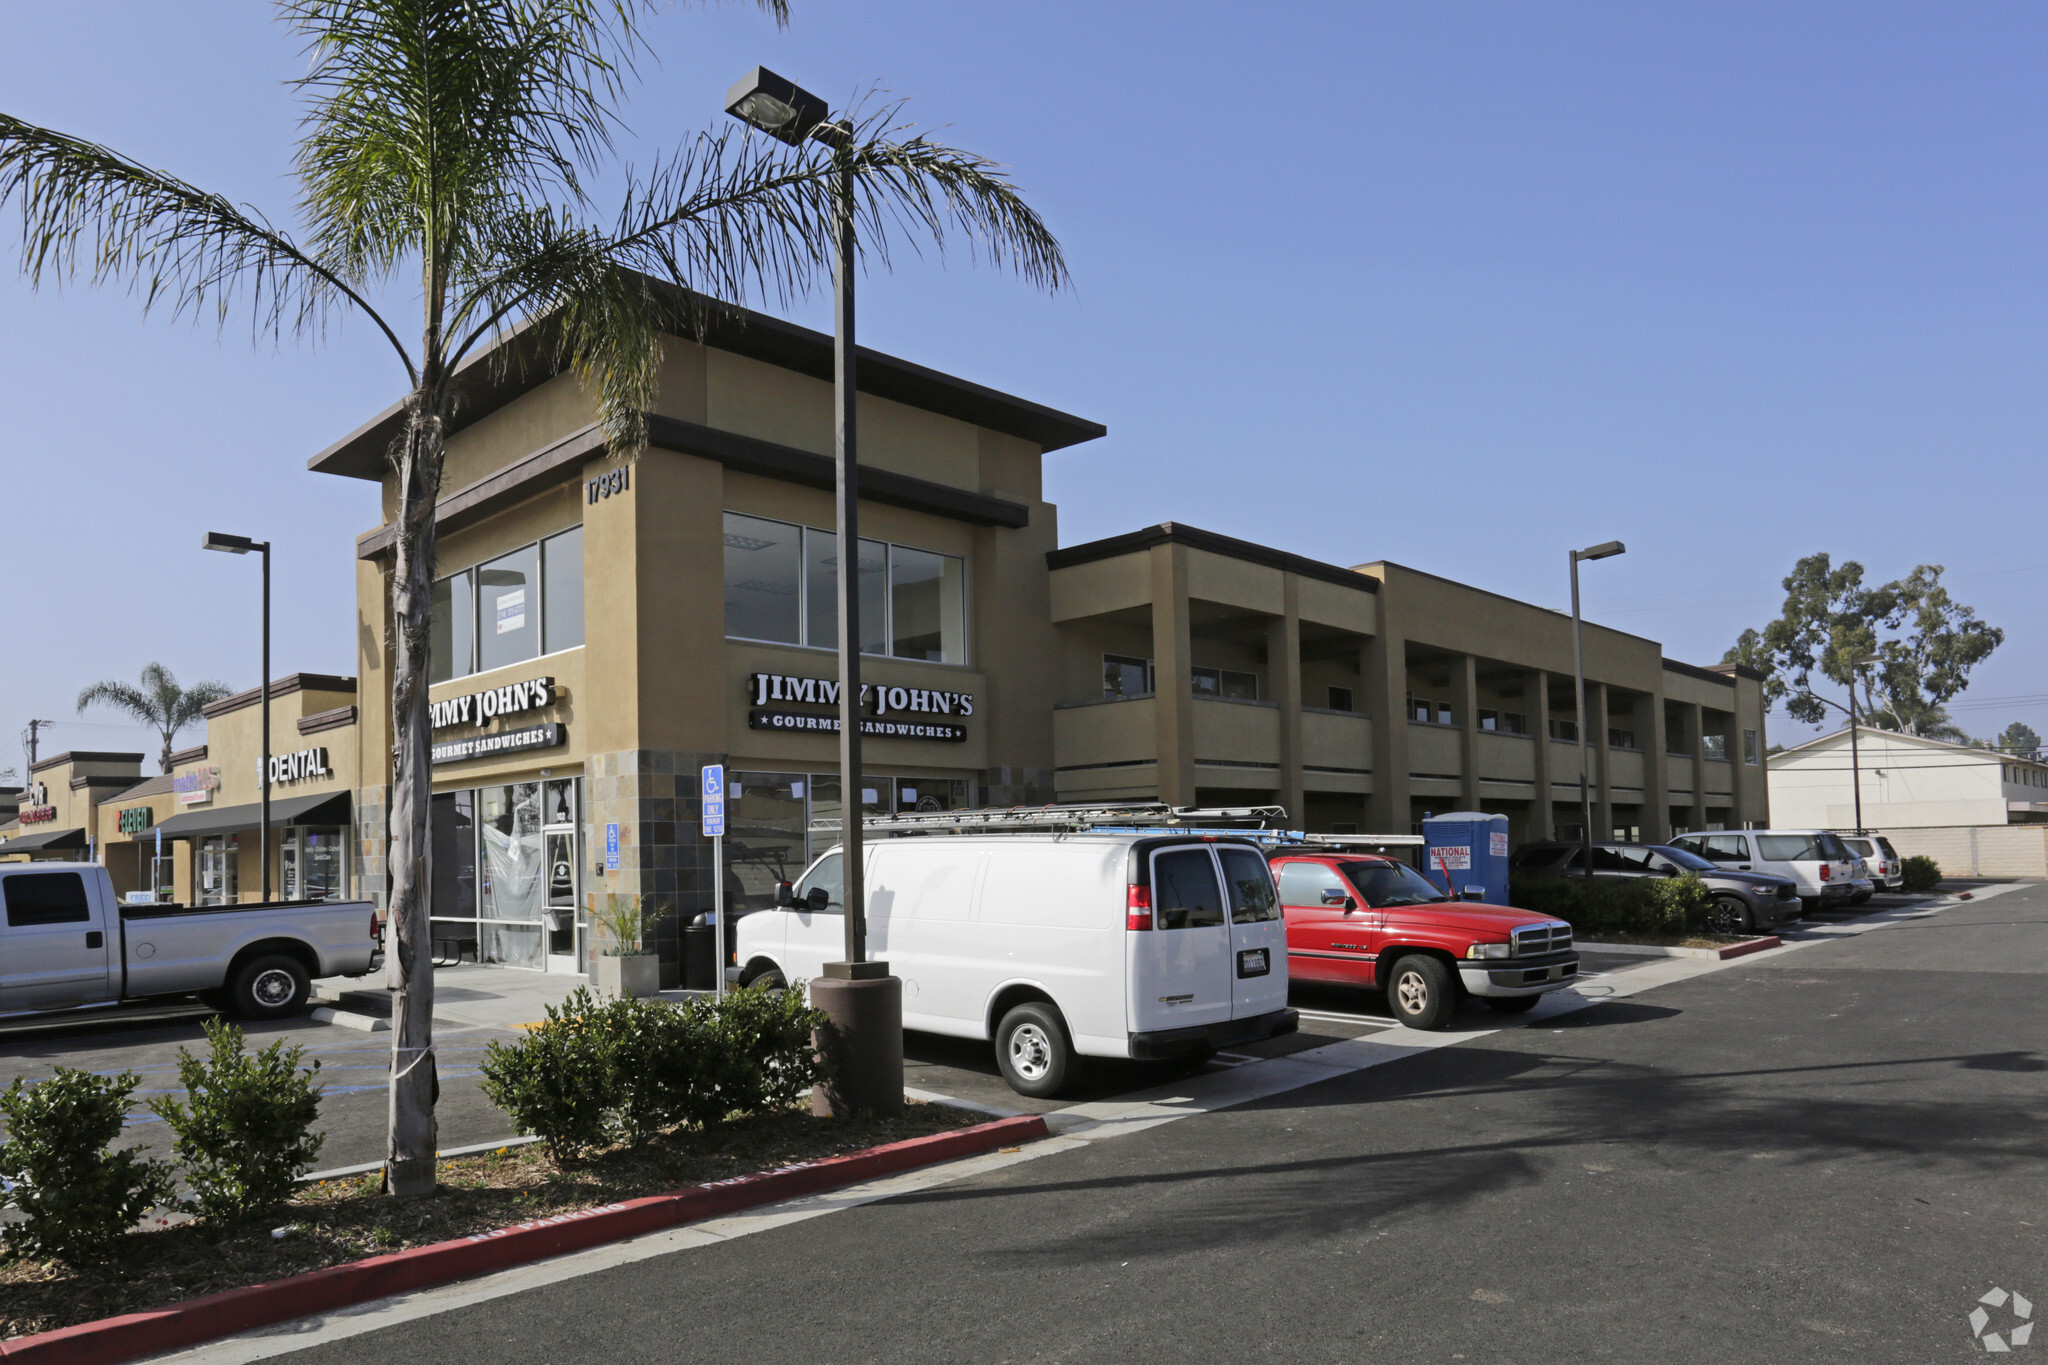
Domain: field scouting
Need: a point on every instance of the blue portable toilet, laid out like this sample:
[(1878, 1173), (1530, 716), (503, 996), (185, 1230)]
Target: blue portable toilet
[(1473, 846)]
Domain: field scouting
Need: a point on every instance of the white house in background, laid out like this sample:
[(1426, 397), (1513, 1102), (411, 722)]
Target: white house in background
[(1908, 783)]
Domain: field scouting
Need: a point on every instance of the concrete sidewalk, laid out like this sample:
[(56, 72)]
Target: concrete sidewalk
[(490, 997)]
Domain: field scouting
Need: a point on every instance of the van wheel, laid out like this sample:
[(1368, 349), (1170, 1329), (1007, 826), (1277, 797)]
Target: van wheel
[(1512, 1004), (1727, 915), (270, 987), (1422, 993), (768, 979), (1033, 1052)]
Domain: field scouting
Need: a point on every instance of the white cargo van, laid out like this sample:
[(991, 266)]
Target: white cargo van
[(1052, 945)]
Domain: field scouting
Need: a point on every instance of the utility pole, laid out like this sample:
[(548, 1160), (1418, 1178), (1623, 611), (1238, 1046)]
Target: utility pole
[(28, 740)]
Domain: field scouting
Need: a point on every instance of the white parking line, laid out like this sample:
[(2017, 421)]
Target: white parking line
[(1073, 1128), (1333, 1017)]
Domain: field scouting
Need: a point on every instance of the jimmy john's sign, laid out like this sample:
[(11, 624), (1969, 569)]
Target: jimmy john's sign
[(897, 712), (477, 709)]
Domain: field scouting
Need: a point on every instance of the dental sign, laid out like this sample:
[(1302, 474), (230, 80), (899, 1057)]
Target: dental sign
[(296, 767), (480, 708), (898, 712)]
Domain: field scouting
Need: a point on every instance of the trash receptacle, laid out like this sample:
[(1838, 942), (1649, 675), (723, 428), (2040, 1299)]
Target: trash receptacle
[(700, 957)]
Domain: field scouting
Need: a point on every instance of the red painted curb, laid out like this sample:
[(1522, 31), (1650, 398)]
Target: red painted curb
[(1755, 945), (112, 1340)]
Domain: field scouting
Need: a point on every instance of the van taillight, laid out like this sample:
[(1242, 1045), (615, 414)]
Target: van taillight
[(1824, 870), (1138, 908)]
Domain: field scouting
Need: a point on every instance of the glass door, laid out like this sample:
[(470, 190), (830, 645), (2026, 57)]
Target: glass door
[(566, 930)]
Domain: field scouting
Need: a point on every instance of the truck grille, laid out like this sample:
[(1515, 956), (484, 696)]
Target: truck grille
[(1542, 938)]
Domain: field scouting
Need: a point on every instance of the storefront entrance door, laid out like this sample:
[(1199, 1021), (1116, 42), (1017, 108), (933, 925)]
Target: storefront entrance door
[(564, 924)]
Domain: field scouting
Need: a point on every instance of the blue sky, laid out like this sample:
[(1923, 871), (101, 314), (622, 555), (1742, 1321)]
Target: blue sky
[(1455, 285)]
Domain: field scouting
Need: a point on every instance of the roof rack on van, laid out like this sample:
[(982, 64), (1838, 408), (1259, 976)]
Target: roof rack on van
[(1054, 819), (1356, 842)]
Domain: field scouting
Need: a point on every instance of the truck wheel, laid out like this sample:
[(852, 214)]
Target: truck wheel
[(270, 987), (1727, 915), (1032, 1050), (1422, 993), (1512, 1004)]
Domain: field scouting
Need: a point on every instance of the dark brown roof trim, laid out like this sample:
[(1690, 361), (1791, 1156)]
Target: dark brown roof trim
[(1695, 671), (282, 687), (102, 780), (1740, 671), (83, 756), (492, 379), (1173, 533), (155, 786), (563, 461), (195, 754), (319, 721)]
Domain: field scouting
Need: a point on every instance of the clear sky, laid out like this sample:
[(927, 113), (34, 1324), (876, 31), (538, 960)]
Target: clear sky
[(1455, 285)]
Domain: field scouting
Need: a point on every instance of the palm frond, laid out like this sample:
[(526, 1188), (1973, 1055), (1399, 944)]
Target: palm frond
[(86, 209), (122, 697)]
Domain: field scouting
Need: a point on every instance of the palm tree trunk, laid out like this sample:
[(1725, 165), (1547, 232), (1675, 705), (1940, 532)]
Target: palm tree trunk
[(411, 1135)]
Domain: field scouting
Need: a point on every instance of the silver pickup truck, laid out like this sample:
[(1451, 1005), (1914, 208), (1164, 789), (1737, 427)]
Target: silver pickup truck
[(67, 944)]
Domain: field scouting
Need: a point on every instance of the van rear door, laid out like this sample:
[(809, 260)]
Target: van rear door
[(1258, 936), (1181, 968)]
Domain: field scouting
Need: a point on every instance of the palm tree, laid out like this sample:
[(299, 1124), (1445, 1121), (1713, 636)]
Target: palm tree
[(159, 703), (449, 143)]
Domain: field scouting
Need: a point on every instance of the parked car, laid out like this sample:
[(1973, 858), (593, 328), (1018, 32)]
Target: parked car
[(1815, 859), (1887, 868), (1743, 901), (68, 944), (1370, 921), (1097, 945)]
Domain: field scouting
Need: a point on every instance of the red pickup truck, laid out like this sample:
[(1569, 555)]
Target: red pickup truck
[(1360, 920)]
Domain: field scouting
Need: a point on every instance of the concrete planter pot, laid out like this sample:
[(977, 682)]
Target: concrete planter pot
[(634, 977)]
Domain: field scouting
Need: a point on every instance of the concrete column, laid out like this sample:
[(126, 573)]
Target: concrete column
[(1599, 757), (1173, 685), (1283, 678), (1384, 673), (1465, 711), (1691, 733), (1542, 818), (1656, 770)]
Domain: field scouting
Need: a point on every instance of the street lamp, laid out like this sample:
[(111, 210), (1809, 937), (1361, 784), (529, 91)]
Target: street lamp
[(864, 1002), (1604, 550), (241, 545)]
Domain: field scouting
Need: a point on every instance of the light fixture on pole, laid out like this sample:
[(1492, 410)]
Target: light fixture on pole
[(864, 1002), (1604, 550), (241, 545), (1855, 758)]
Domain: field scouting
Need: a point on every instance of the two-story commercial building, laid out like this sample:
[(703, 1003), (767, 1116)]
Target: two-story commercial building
[(605, 628)]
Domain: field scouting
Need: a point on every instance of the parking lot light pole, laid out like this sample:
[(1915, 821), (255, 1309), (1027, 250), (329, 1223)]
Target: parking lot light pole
[(241, 545), (1855, 759), (1604, 550), (863, 1002)]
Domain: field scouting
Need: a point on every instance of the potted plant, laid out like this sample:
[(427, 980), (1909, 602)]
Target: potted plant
[(623, 968)]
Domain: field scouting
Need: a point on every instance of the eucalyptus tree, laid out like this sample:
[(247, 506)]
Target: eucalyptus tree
[(448, 156), (158, 703)]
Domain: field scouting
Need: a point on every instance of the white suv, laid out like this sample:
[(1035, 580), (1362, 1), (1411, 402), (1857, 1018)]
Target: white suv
[(1815, 859), (1887, 868)]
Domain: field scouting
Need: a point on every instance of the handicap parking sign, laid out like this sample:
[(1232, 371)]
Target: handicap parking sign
[(714, 801)]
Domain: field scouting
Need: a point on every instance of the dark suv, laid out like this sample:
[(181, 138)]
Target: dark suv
[(1743, 901)]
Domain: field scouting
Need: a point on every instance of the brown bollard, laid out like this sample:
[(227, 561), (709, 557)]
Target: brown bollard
[(863, 1039)]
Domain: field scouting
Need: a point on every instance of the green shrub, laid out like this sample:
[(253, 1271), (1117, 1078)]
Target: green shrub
[(1922, 873), (602, 1070), (245, 1130), (1673, 906), (75, 1195)]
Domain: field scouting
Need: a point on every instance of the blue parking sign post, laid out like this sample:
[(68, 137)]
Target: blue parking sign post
[(611, 848), (713, 793)]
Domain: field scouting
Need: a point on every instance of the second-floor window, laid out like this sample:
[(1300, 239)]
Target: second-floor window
[(1566, 730), (1714, 746), (1125, 676), (509, 609), (782, 585), (1222, 682), (1341, 699), (1505, 722)]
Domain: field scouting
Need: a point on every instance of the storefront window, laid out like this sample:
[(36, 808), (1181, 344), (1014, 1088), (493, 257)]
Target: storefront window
[(312, 863), (765, 839), (511, 860), (452, 637), (763, 579), (508, 609), (562, 582), (927, 616), (782, 584), (452, 839), (931, 793), (216, 877)]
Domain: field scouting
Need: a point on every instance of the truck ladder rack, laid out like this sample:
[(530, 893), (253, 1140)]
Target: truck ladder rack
[(1070, 819)]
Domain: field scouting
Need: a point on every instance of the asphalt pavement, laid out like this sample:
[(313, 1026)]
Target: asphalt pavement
[(1826, 1154)]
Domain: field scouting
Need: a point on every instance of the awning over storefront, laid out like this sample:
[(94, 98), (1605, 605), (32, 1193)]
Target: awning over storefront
[(323, 808), (48, 840)]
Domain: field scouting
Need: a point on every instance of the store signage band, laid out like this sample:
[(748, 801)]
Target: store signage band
[(197, 785), (36, 815), (501, 742), (767, 687), (35, 805), (475, 708), (136, 819), (295, 767), (796, 722)]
